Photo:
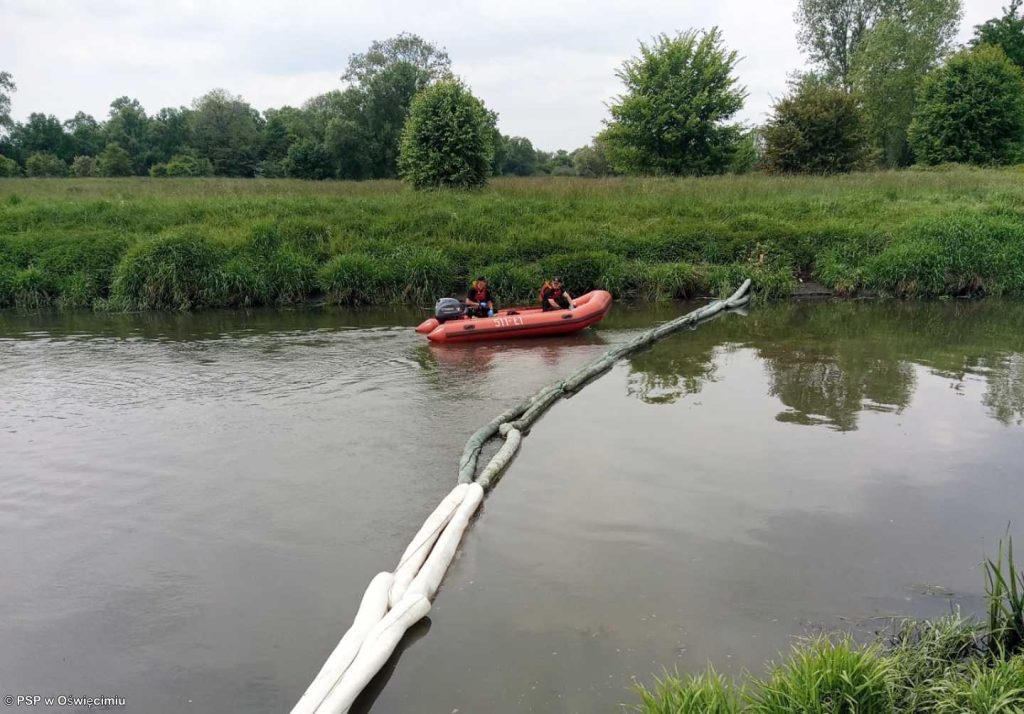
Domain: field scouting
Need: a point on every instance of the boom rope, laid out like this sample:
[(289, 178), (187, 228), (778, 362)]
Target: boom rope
[(394, 602)]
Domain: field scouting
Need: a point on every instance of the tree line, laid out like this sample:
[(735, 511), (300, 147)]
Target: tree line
[(351, 133), (885, 87)]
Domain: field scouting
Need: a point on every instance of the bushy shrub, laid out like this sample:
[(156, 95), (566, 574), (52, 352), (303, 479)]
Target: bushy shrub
[(8, 167), (188, 165), (271, 169), (674, 116), (158, 171), (84, 167), (45, 165), (817, 128), (447, 141), (114, 161), (971, 110), (591, 162), (308, 159)]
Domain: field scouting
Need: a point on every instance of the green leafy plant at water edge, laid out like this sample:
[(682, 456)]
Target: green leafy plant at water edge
[(1004, 589), (945, 666), (827, 677), (708, 693), (924, 653), (981, 689)]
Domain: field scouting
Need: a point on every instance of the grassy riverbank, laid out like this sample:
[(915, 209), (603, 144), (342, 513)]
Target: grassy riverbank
[(182, 244), (953, 665)]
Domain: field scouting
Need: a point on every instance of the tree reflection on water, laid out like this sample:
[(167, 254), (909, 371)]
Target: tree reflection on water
[(828, 362)]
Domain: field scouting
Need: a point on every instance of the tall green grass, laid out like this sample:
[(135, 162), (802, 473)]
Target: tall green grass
[(710, 693), (1004, 590), (951, 232), (946, 666), (827, 677)]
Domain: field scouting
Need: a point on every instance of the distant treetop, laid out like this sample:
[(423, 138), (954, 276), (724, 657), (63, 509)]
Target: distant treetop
[(404, 48)]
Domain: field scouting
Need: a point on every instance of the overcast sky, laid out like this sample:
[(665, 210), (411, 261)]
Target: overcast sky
[(546, 66)]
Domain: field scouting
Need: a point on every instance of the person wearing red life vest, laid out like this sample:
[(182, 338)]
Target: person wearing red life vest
[(479, 300), (553, 296)]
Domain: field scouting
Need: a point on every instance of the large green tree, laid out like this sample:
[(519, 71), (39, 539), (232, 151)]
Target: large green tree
[(520, 156), (336, 118), (86, 134), (7, 87), (1006, 32), (893, 58), (168, 133), (830, 32), (817, 128), (362, 125), (226, 130), (674, 116), (448, 140), (42, 134), (364, 130), (590, 161), (308, 159), (431, 62), (127, 127), (971, 110), (114, 161)]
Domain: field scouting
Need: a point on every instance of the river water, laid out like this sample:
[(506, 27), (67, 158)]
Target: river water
[(192, 505)]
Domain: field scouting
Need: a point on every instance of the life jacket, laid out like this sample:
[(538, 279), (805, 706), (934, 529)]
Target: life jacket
[(556, 293)]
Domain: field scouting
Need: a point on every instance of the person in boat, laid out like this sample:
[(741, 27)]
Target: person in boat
[(554, 296), (478, 300)]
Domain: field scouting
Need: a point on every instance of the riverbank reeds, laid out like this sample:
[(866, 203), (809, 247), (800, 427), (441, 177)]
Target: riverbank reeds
[(953, 664), (193, 243)]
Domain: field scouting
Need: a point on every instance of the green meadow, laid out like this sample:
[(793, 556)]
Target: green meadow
[(182, 244)]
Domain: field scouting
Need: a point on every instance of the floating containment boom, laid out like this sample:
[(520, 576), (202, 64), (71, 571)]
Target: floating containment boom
[(394, 602)]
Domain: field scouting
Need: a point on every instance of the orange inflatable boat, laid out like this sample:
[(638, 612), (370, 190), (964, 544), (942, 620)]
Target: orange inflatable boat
[(521, 321)]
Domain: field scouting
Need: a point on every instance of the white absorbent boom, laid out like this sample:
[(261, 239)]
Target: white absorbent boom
[(396, 601)]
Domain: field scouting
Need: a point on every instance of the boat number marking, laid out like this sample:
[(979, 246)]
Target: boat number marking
[(507, 321)]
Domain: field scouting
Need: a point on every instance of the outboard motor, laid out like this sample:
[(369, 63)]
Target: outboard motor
[(449, 309)]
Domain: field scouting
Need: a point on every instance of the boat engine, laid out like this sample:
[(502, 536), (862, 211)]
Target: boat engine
[(449, 309)]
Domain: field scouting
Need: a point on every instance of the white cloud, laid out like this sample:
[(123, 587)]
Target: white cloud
[(546, 66)]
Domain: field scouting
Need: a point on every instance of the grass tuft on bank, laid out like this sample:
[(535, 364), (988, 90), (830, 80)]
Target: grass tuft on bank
[(194, 243), (950, 665)]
